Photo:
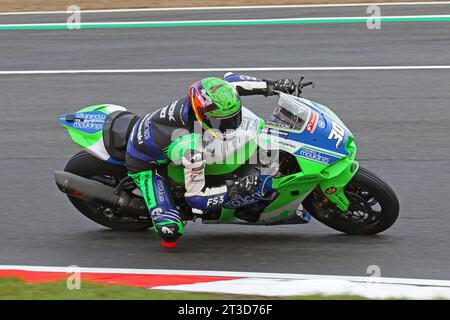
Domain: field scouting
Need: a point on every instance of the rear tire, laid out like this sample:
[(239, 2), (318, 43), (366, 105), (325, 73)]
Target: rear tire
[(88, 166), (374, 207)]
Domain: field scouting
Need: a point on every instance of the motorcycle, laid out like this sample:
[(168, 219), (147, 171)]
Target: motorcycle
[(313, 175)]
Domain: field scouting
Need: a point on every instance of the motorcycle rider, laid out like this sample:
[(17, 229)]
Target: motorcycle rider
[(215, 104)]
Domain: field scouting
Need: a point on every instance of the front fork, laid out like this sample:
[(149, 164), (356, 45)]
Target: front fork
[(333, 189)]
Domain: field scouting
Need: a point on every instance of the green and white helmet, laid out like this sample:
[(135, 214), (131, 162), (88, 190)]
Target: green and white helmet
[(217, 105)]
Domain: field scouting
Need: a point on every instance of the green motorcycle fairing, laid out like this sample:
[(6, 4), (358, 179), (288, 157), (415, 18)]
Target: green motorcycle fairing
[(323, 147)]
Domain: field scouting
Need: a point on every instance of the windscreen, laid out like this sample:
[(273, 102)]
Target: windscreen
[(291, 112)]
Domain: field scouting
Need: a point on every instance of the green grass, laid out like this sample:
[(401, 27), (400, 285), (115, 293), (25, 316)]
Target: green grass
[(16, 289)]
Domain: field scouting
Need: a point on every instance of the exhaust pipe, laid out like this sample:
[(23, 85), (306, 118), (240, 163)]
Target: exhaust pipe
[(96, 192)]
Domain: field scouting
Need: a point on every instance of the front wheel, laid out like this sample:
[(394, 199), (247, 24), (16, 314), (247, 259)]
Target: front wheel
[(374, 207)]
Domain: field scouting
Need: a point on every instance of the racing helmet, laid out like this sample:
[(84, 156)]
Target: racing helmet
[(217, 106)]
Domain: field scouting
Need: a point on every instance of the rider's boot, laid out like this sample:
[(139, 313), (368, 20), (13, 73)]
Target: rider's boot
[(169, 232)]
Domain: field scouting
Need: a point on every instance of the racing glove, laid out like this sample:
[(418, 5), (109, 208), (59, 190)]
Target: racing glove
[(286, 85), (245, 185)]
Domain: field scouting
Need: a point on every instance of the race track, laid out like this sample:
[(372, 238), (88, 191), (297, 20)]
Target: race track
[(400, 119)]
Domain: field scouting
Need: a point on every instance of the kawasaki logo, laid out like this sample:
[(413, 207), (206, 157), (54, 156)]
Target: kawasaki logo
[(241, 201)]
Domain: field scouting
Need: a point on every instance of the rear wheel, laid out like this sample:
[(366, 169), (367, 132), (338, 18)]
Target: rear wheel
[(374, 207), (88, 166)]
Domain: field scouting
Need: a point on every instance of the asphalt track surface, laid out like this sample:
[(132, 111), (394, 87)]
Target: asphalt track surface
[(400, 119)]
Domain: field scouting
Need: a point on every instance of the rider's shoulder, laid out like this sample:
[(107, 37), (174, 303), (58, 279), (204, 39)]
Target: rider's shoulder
[(174, 114)]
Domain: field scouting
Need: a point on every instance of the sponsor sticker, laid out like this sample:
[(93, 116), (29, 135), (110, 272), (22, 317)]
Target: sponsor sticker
[(161, 192), (276, 132), (147, 128), (241, 201), (157, 212), (167, 230), (89, 122), (311, 178), (316, 156), (285, 143), (91, 116), (172, 110), (277, 124), (247, 78), (140, 131), (215, 201), (321, 124), (312, 123), (330, 190)]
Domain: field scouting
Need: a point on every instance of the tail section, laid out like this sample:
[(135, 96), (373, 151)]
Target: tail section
[(85, 127)]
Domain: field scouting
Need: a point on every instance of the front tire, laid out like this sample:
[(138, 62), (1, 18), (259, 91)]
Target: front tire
[(374, 207), (85, 165)]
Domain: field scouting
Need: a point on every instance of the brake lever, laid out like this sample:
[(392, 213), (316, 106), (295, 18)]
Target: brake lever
[(300, 86)]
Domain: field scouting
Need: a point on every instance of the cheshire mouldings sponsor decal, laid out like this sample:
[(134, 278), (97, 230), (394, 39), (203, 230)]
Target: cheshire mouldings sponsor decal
[(317, 156), (89, 122)]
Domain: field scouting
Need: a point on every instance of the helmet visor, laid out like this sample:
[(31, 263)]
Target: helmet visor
[(223, 124)]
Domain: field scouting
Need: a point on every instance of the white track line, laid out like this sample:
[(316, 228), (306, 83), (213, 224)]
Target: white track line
[(182, 22), (259, 275), (100, 71), (240, 7)]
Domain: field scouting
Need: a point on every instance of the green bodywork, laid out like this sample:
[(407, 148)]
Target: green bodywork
[(334, 176), (290, 188)]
